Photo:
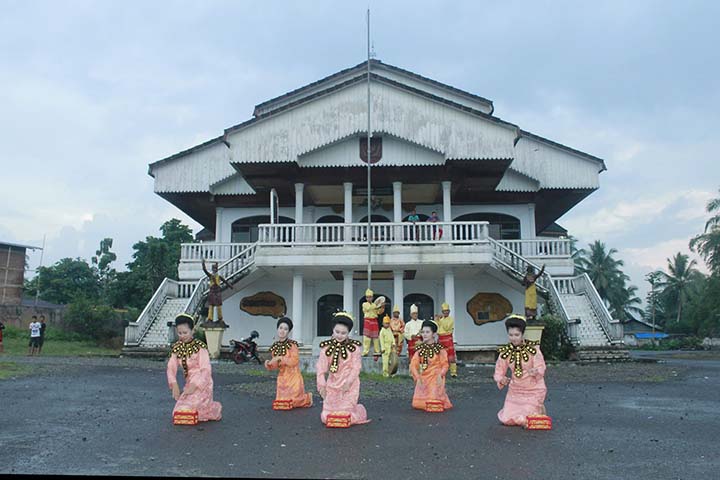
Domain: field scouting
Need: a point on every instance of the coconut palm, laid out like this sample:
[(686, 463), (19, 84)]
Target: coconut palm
[(677, 283), (604, 270), (707, 244)]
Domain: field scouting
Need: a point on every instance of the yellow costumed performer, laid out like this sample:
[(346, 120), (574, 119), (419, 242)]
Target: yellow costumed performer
[(371, 310), (398, 328), (387, 344), (446, 326)]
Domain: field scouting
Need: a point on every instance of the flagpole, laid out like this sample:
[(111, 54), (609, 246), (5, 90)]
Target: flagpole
[(369, 133)]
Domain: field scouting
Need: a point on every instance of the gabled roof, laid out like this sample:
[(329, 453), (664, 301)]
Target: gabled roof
[(357, 74), (360, 70)]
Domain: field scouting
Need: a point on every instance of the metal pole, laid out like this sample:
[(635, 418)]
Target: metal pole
[(7, 270), (37, 290), (369, 133)]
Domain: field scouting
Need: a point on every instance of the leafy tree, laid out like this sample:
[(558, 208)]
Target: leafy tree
[(603, 269), (707, 244), (65, 281), (102, 260), (677, 284)]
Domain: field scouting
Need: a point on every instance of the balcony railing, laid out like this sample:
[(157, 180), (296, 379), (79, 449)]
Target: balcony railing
[(210, 251), (387, 233), (539, 247)]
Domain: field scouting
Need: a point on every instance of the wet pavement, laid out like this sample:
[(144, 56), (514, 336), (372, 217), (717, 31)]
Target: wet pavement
[(112, 417)]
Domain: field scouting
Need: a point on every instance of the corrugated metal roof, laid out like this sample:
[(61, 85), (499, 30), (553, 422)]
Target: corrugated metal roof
[(18, 245)]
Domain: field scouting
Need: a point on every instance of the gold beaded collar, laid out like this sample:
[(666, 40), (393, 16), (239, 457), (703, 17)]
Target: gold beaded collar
[(427, 352), (184, 350), (518, 354), (337, 349), (280, 348)]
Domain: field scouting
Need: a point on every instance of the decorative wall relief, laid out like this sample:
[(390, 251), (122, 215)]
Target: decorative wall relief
[(264, 303), (488, 307)]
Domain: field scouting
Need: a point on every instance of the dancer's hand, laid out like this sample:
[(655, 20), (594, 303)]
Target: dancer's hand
[(175, 391), (267, 363), (322, 392), (504, 381), (189, 390)]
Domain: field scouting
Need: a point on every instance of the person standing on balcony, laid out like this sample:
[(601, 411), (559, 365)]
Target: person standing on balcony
[(215, 293), (371, 329), (397, 325), (435, 230), (414, 218), (290, 391), (531, 291), (446, 326), (412, 330)]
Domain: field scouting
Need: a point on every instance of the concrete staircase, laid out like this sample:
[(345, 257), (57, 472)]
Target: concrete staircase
[(157, 335), (590, 333)]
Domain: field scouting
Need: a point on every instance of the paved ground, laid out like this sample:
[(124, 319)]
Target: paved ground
[(112, 416)]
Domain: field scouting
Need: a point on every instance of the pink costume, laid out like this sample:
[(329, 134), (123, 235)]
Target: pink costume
[(343, 361), (526, 392), (198, 373)]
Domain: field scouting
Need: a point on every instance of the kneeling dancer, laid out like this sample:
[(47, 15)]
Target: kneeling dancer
[(341, 360), (192, 355), (290, 392), (428, 367), (526, 385)]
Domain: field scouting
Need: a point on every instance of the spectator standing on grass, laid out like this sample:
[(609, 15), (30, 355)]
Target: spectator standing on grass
[(34, 344), (43, 326), (2, 327)]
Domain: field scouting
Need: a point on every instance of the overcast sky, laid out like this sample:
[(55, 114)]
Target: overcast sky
[(91, 92)]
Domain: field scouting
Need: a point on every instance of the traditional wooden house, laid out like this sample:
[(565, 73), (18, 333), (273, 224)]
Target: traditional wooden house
[(285, 195)]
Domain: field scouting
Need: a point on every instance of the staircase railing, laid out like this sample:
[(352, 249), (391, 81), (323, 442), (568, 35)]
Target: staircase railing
[(136, 330), (230, 270), (517, 265), (612, 329)]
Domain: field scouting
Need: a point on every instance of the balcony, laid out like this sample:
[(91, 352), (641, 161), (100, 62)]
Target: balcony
[(337, 244)]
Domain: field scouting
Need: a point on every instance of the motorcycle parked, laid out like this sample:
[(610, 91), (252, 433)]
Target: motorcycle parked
[(246, 349)]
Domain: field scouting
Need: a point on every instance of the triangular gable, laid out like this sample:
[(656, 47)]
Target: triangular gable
[(396, 152), (514, 181), (234, 185), (404, 114)]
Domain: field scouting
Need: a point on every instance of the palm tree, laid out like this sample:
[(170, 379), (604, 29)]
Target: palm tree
[(601, 267), (677, 283), (708, 243), (625, 303)]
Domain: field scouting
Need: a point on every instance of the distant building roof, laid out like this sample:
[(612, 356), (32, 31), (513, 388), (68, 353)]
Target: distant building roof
[(30, 302), (18, 245), (650, 335)]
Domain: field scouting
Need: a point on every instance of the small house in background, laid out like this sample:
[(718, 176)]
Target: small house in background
[(14, 308), (638, 332)]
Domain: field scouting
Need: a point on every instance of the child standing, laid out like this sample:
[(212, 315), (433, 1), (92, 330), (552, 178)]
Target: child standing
[(526, 385), (387, 345)]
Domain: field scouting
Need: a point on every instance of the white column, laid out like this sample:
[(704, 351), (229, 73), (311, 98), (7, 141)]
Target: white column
[(450, 291), (397, 201), (218, 224), (299, 187), (447, 207), (398, 293), (348, 301), (348, 209), (297, 305), (348, 201)]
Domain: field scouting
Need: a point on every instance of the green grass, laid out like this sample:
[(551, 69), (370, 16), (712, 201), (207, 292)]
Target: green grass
[(11, 369), (15, 347)]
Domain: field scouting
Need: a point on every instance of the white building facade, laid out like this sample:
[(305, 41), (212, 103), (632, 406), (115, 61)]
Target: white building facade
[(496, 189)]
